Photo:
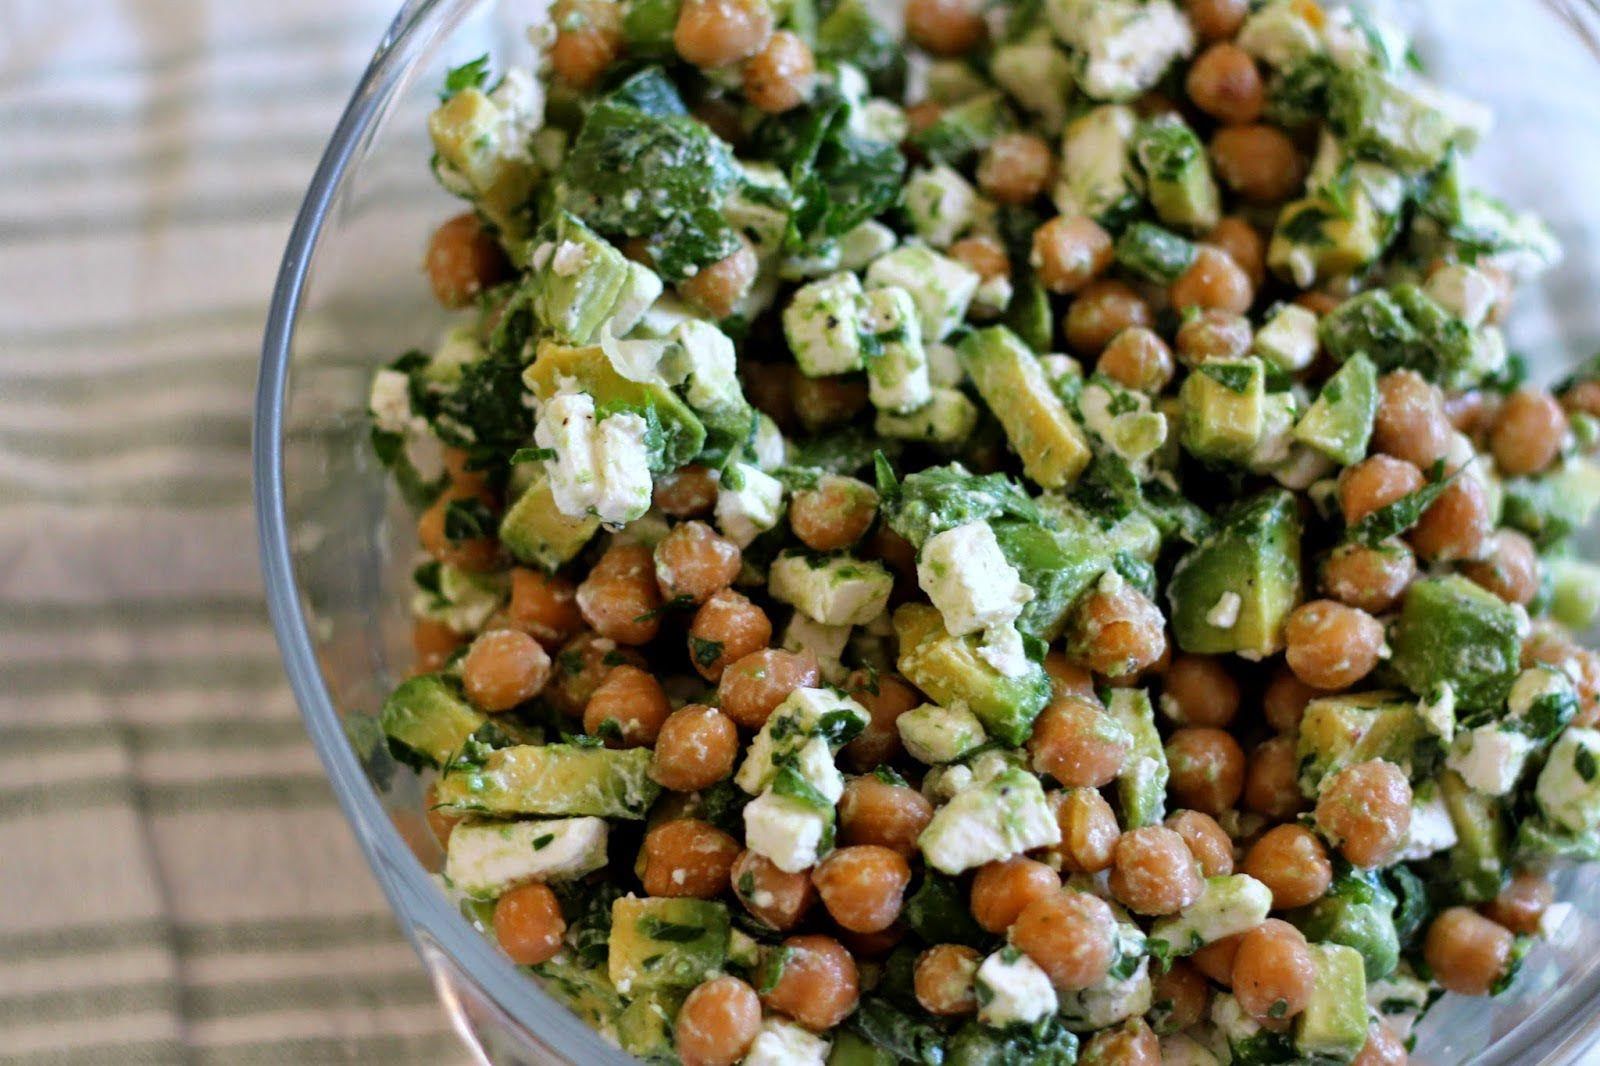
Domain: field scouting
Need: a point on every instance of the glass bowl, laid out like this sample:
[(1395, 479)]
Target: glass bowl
[(336, 545)]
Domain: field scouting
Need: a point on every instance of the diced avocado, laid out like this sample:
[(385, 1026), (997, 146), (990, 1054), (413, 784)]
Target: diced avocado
[(1048, 1043), (988, 821), (1038, 75), (947, 418), (1224, 408), (1574, 592), (851, 1049), (647, 27), (851, 34), (1234, 903), (1555, 504), (661, 943), (1358, 912), (644, 1027), (577, 282), (1339, 422), (940, 204), (554, 779), (428, 719), (1333, 1027), (462, 599), (1058, 564), (1177, 174), (939, 498), (1052, 445), (1142, 785), (1340, 731), (1240, 1039), (938, 912), (1453, 632), (1316, 238), (682, 434), (1233, 590), (584, 990), (1155, 254), (473, 160), (1479, 863), (1288, 339), (965, 129), (950, 670), (1402, 327), (805, 715), (936, 735), (1097, 175), (536, 532), (1379, 117), (1029, 314)]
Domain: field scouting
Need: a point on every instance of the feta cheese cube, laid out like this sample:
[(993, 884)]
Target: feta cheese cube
[(1289, 338), (941, 287), (1097, 174), (783, 1043), (1002, 648), (486, 859), (836, 590), (1279, 34), (933, 734), (1125, 46), (967, 577), (601, 469), (390, 402), (1110, 1001), (944, 366), (1227, 905), (947, 418), (823, 326), (1489, 759), (1432, 829), (990, 820), (770, 449), (940, 202), (992, 297), (859, 247), (805, 713), (623, 465), (749, 502), (710, 367), (1568, 789), (826, 643), (788, 831), (1013, 989), (1464, 291), (897, 368)]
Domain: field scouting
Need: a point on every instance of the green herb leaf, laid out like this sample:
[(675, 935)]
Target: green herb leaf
[(470, 75), (705, 652)]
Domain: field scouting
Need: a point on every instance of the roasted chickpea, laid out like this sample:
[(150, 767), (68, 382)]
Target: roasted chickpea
[(1070, 935), (943, 979), (1213, 280), (1208, 842), (819, 985), (1374, 483), (696, 748), (1284, 701), (1088, 831), (1456, 525), (1365, 810), (1067, 678), (1244, 243), (984, 254), (725, 629), (1069, 252), (1271, 787), (432, 644), (1259, 163), (1101, 310), (862, 886), (945, 27), (469, 553), (1369, 579), (504, 667), (775, 897), (627, 709), (1198, 690), (780, 76), (1153, 871), (885, 698), (1178, 999), (1015, 168), (1115, 630), (1138, 358), (752, 687), (828, 401), (687, 492), (1215, 960), (620, 598), (833, 515), (441, 822), (875, 811), (1468, 953), (693, 561), (1216, 20), (1207, 769), (528, 924), (715, 33), (1411, 422), (1078, 744), (718, 287), (544, 606), (1001, 890), (588, 40), (1291, 861), (1522, 903), (717, 1023), (687, 857), (463, 260), (1273, 973), (1224, 83), (1213, 334), (581, 664), (1330, 646), (1128, 1043), (1382, 1048), (1526, 437)]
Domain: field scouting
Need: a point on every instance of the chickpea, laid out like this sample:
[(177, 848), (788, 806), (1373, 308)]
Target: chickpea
[(1015, 168), (687, 492), (1198, 690), (1244, 243), (1067, 678), (1154, 872), (1259, 163), (1001, 890), (873, 946), (862, 886), (1382, 1048), (873, 811), (1521, 904), (1213, 280), (581, 664), (1319, 302), (1224, 83), (1331, 646), (947, 28), (504, 668), (620, 598), (752, 687), (723, 117), (1215, 959), (544, 606), (819, 985), (463, 260), (718, 287), (1178, 999), (1468, 953), (628, 708), (1207, 841), (1369, 579), (1285, 699), (687, 857), (1365, 810), (1510, 569), (885, 698), (725, 629), (1271, 785), (1088, 831), (780, 76), (1070, 935), (1115, 630), (432, 644), (1582, 397), (1101, 311), (1526, 436), (696, 748), (693, 561), (1216, 20), (1213, 334), (1411, 422), (715, 33), (770, 388), (1207, 769), (1078, 744), (1456, 525), (1069, 252), (1129, 1043), (829, 401), (943, 979), (775, 897), (528, 924), (1291, 861), (922, 114), (469, 553), (1273, 973), (985, 255), (588, 40), (1471, 411), (833, 515), (1374, 483), (717, 1023), (1138, 358)]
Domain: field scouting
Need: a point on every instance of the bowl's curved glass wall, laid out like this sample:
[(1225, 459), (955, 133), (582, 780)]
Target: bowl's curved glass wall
[(338, 547)]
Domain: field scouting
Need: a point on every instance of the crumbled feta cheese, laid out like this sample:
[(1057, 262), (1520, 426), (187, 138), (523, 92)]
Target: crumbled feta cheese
[(859, 247), (1438, 713), (1568, 789), (1013, 989), (1125, 46), (390, 401), (1097, 172), (1432, 829), (1002, 649), (623, 466), (823, 326), (941, 287), (989, 820), (790, 727), (783, 1043), (1112, 1000), (1288, 340), (1489, 759), (826, 643), (1279, 34), (835, 590), (566, 425), (1464, 291), (749, 502), (770, 449), (485, 859), (940, 203), (897, 368), (568, 259), (785, 830), (1225, 612), (967, 577)]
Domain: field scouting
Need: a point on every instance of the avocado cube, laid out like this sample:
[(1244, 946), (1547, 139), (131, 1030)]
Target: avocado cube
[(1555, 504), (476, 157), (647, 27), (937, 735), (1224, 408), (1358, 912), (644, 1026), (428, 719), (1339, 421), (1288, 339), (1315, 238), (575, 280), (1233, 590), (584, 990), (1058, 564), (660, 943), (1453, 632), (1053, 447), (1333, 1026), (554, 779), (1379, 117), (835, 590), (950, 670), (1097, 174), (682, 434), (1340, 731), (1568, 789), (1480, 861), (486, 859), (947, 418), (536, 532), (850, 1049), (1229, 904), (1574, 592), (963, 130), (1177, 174), (1142, 785), (1157, 255), (1038, 75)]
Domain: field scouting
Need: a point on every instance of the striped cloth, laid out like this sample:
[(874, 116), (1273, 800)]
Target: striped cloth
[(178, 885)]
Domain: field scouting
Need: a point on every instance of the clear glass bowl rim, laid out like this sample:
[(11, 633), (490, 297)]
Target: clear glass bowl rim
[(419, 905)]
